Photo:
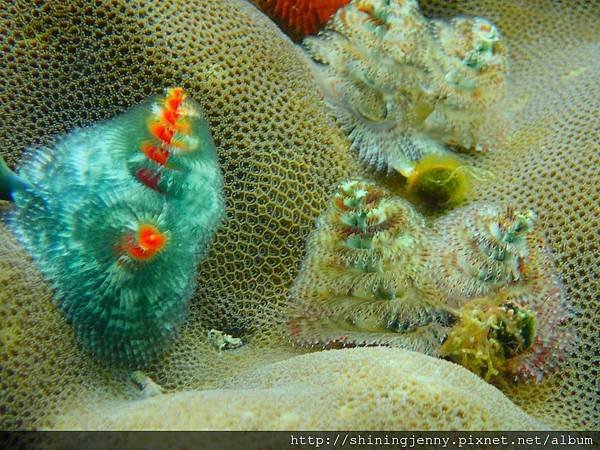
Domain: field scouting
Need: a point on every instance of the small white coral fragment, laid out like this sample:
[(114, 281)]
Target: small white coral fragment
[(148, 388), (222, 341)]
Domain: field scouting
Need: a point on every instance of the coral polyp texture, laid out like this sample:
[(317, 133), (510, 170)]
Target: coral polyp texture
[(300, 18), (117, 217), (72, 64), (358, 283), (432, 395), (404, 86)]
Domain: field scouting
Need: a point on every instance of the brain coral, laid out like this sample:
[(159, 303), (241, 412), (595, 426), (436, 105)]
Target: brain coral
[(72, 64), (281, 396)]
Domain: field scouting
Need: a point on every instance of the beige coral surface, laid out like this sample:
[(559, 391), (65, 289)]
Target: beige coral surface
[(367, 388), (70, 64)]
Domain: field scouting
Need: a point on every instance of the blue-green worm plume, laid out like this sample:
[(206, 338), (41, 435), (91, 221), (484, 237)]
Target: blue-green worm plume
[(117, 217), (9, 182)]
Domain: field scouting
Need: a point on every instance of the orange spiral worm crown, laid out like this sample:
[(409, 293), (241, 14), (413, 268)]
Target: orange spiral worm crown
[(146, 244), (169, 132), (167, 145)]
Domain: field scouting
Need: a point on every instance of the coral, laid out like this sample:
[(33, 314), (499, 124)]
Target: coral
[(37, 344), (261, 105), (148, 388), (350, 389), (280, 155), (120, 254), (223, 341), (357, 285), (404, 87), (300, 18)]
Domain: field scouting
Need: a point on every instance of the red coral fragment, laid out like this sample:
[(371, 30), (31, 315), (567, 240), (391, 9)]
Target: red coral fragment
[(301, 18)]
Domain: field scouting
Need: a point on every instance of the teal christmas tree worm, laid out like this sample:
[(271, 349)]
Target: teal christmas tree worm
[(117, 217)]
